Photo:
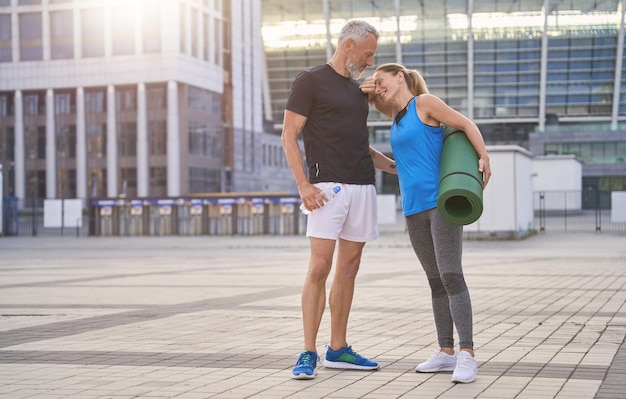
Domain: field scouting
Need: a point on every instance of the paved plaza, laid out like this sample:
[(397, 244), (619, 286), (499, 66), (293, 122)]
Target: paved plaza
[(219, 317)]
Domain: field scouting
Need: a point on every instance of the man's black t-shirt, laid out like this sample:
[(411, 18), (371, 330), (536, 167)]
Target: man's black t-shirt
[(336, 139)]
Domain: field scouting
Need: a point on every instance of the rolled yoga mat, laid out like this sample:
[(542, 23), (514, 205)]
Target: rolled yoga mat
[(460, 197)]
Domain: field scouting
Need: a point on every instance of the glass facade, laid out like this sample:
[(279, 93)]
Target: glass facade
[(517, 68), (487, 62)]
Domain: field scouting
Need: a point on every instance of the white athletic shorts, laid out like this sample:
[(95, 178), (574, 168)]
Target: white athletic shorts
[(350, 215)]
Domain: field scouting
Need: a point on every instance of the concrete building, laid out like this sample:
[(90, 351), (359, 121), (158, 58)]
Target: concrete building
[(165, 98), (145, 98)]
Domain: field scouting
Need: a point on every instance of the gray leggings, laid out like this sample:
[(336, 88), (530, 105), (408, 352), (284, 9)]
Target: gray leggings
[(438, 246)]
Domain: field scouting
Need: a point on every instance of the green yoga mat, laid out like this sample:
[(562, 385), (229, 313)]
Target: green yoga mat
[(460, 197)]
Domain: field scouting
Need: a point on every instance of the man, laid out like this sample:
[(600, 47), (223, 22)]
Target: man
[(327, 105)]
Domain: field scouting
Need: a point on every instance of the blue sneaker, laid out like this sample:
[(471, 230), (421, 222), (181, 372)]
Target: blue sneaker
[(305, 367), (346, 358)]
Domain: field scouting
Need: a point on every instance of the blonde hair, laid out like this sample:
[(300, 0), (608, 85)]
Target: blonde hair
[(415, 81)]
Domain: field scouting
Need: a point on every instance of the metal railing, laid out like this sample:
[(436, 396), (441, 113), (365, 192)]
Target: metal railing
[(571, 211), (554, 211)]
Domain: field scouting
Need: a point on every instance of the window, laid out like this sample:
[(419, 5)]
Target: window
[(125, 99), (6, 105), (31, 47), (95, 101), (183, 28), (5, 38), (158, 179), (63, 103), (206, 52), (157, 98), (194, 32), (128, 180), (151, 27), (127, 139), (34, 104), (66, 141), (96, 140), (92, 22), (157, 132), (61, 35), (124, 32)]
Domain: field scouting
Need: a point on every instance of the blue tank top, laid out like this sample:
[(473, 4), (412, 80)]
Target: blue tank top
[(417, 152)]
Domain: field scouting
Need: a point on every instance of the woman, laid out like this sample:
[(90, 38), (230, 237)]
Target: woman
[(416, 140)]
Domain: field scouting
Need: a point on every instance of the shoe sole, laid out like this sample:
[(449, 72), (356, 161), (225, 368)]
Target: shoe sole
[(459, 381), (303, 376), (451, 368), (348, 366)]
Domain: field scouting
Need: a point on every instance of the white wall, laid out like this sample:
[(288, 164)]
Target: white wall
[(559, 179), (508, 198), (618, 206), (557, 173)]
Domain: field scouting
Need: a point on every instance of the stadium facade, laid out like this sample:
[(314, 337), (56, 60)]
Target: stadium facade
[(542, 74)]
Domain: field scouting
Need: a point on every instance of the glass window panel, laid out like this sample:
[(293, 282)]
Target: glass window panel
[(6, 53), (31, 33), (126, 99), (528, 67), (61, 35), (579, 76), (529, 78), (151, 11), (206, 27), (194, 32), (92, 25), (124, 32), (557, 66), (183, 27)]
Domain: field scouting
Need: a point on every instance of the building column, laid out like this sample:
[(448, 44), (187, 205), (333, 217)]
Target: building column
[(470, 61), (398, 13), (51, 147), (81, 146), (173, 141), (111, 144), (19, 166), (543, 72), (143, 169), (329, 39), (619, 60)]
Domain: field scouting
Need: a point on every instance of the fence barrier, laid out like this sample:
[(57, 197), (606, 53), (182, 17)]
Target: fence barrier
[(223, 215)]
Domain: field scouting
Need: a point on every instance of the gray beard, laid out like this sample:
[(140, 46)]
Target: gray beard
[(353, 70)]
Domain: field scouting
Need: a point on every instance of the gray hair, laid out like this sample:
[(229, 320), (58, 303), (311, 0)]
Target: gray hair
[(356, 29)]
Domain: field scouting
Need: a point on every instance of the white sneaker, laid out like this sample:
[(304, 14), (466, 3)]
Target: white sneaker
[(438, 361), (465, 370)]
